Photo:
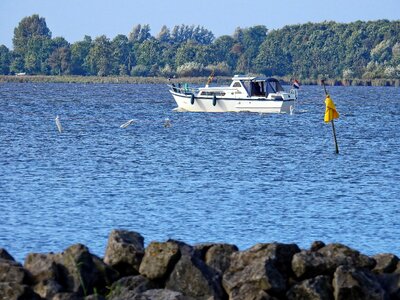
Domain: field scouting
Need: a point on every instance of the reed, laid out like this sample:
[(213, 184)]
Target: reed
[(192, 80)]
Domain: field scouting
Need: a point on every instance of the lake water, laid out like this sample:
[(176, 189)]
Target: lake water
[(239, 178)]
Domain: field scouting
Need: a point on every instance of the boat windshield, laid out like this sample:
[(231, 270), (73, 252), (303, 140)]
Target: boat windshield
[(273, 86), (263, 87)]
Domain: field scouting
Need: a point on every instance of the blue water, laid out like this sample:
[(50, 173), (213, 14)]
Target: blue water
[(236, 178)]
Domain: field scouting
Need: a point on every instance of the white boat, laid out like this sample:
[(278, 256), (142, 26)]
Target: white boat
[(245, 94)]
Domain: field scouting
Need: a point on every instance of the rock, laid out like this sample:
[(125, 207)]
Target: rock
[(264, 267), (185, 249), (104, 274), (5, 255), (47, 289), (391, 284), (318, 288), (11, 271), (81, 272), (218, 257), (193, 278), (95, 297), (125, 250), (161, 294), (42, 267), (126, 287), (254, 279), (248, 292), (67, 296), (351, 283), (159, 259), (385, 263), (316, 245), (308, 264), (16, 291)]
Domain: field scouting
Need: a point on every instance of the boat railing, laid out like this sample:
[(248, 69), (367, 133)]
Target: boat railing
[(294, 92), (185, 89)]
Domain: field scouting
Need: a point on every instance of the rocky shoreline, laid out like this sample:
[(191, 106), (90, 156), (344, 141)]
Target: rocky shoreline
[(173, 270)]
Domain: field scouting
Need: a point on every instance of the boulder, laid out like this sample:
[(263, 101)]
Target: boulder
[(47, 289), (11, 271), (81, 272), (124, 252), (264, 267), (391, 284), (16, 291), (218, 257), (308, 264), (254, 279), (67, 296), (385, 263), (193, 278), (351, 283), (248, 292), (95, 297), (316, 245), (318, 288), (160, 294), (5, 255), (127, 287), (42, 267), (159, 259)]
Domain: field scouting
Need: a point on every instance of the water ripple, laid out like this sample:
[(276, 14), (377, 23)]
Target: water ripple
[(237, 178)]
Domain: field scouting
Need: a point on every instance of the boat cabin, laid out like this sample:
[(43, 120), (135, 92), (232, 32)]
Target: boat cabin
[(256, 86)]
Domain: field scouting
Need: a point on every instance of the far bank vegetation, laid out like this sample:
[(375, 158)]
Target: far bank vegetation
[(353, 53)]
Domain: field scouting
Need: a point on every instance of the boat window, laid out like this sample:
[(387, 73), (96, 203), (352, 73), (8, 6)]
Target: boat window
[(247, 86), (273, 86), (206, 93), (237, 84), (257, 89)]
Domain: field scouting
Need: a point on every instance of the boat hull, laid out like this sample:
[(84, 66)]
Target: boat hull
[(186, 102)]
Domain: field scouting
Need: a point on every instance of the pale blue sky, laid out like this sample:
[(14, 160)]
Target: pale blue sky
[(73, 19)]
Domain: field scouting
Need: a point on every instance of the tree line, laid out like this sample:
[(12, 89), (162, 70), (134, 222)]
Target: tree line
[(367, 50)]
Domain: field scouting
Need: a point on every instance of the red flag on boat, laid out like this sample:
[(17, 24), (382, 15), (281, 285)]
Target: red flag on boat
[(296, 84)]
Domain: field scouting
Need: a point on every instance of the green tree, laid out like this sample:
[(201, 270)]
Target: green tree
[(99, 59), (186, 53), (5, 60), (140, 33), (17, 63), (29, 28), (60, 61), (123, 55), (32, 42), (250, 39), (164, 36), (223, 50), (79, 53), (38, 51), (148, 55), (197, 34)]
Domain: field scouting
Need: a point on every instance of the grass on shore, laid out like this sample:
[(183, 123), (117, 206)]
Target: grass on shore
[(192, 80)]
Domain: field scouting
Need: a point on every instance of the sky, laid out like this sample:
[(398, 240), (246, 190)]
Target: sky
[(73, 19)]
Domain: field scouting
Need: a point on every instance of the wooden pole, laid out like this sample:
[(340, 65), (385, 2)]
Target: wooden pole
[(334, 137), (333, 124)]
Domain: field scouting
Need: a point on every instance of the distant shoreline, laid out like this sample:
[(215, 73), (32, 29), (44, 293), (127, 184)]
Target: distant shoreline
[(193, 80)]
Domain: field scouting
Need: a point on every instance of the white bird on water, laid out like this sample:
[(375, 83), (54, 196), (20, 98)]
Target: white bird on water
[(127, 123), (58, 123)]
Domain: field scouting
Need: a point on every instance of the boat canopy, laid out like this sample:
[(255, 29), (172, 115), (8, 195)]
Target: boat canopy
[(258, 86)]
